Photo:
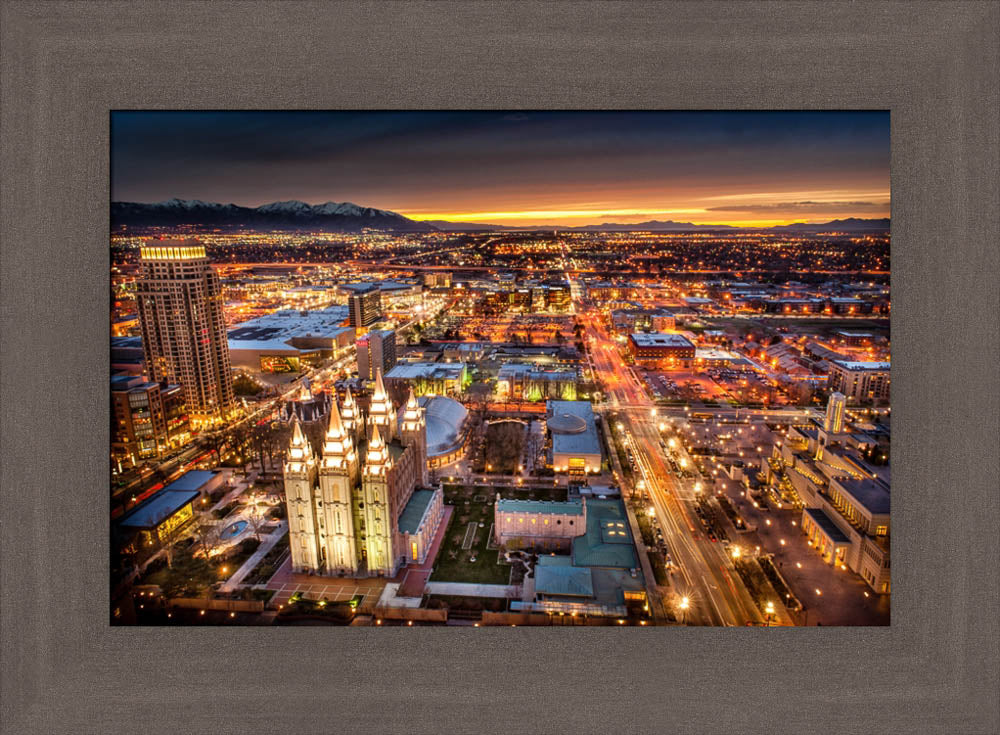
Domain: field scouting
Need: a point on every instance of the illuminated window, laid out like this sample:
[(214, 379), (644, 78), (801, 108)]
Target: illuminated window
[(881, 530)]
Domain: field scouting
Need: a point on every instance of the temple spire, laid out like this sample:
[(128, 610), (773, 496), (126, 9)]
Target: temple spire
[(376, 441), (298, 439), (379, 394), (336, 428)]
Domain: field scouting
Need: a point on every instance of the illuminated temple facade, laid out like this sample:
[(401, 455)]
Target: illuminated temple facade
[(361, 506)]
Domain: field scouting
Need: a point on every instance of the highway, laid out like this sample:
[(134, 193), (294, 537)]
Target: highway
[(705, 574)]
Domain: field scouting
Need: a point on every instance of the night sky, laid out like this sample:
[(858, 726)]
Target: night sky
[(517, 168)]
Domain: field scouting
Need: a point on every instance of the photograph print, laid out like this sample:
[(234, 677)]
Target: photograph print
[(500, 368)]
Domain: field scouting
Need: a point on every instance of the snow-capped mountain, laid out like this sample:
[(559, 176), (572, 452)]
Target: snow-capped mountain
[(292, 214)]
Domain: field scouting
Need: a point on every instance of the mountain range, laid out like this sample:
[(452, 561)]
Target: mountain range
[(349, 217), (290, 215)]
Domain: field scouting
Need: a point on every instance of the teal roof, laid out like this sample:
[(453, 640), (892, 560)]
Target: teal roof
[(413, 513), (596, 549), (567, 508), (610, 585), (615, 532), (563, 581)]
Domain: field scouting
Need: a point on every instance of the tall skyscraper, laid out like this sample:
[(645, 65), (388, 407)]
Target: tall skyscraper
[(183, 329), (366, 307), (376, 350), (834, 421)]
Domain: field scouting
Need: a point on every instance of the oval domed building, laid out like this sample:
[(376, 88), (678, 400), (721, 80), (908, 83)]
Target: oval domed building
[(447, 429)]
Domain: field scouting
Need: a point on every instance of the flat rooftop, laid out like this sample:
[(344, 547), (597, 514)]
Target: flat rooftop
[(273, 331), (660, 339), (581, 441), (871, 494), (415, 370), (852, 365)]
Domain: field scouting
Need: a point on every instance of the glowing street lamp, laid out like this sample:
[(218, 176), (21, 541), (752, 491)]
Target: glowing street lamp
[(769, 610)]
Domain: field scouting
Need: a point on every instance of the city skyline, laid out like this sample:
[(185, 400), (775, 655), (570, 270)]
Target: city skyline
[(324, 411), (746, 169)]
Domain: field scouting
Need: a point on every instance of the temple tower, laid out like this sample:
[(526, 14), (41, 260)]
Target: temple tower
[(351, 418), (300, 470), (377, 511), (338, 475), (381, 413), (413, 433)]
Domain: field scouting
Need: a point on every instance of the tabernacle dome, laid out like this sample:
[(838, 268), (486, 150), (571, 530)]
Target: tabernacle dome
[(446, 429)]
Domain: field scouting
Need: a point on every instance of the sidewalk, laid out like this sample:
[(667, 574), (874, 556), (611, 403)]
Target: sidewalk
[(250, 564), (470, 589)]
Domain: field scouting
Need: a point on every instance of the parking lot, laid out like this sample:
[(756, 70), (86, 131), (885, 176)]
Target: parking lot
[(716, 384), (682, 386)]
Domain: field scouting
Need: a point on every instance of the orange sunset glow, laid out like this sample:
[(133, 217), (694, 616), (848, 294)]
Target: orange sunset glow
[(519, 169)]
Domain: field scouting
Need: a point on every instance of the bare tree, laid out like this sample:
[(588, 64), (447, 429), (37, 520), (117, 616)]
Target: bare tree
[(208, 538), (254, 517), (169, 538)]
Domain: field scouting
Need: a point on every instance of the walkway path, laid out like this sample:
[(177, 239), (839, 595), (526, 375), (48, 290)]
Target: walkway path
[(251, 563), (470, 589), (415, 577)]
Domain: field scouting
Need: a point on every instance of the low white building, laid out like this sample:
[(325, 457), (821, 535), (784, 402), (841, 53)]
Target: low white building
[(576, 447)]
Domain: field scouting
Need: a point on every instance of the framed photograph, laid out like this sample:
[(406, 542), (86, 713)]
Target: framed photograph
[(434, 331)]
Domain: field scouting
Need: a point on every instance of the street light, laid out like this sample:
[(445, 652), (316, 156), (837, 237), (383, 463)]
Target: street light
[(769, 609)]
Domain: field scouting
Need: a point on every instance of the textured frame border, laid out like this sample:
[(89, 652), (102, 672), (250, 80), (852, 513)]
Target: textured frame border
[(66, 64)]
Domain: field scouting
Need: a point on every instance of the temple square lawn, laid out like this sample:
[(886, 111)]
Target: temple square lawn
[(474, 504)]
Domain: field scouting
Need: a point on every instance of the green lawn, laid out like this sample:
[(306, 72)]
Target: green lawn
[(453, 562)]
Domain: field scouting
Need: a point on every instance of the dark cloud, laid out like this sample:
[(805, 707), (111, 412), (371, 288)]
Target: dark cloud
[(491, 160), (807, 207)]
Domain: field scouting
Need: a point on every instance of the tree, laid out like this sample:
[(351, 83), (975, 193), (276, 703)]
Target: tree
[(190, 575), (207, 538), (169, 537), (254, 517)]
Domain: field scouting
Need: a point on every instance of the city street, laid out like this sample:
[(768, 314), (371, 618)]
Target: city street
[(704, 574)]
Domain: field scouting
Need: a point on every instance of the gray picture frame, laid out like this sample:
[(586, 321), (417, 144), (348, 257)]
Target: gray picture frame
[(66, 64)]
